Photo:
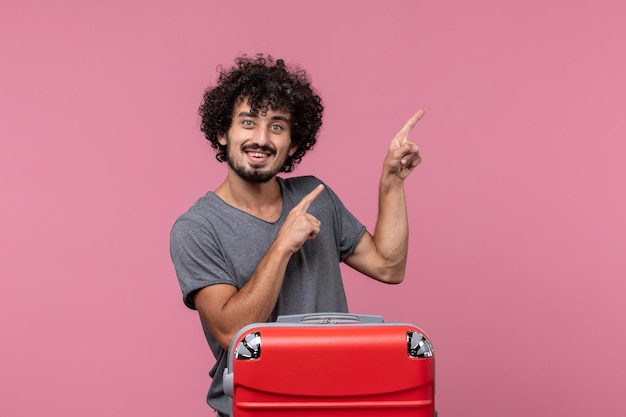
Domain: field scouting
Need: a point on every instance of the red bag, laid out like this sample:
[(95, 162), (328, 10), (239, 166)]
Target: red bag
[(330, 364)]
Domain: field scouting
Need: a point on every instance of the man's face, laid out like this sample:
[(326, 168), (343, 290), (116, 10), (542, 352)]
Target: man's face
[(258, 144)]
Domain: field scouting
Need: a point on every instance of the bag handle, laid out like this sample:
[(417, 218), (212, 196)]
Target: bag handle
[(329, 318)]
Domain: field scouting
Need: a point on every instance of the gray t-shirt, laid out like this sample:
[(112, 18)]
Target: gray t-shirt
[(215, 243)]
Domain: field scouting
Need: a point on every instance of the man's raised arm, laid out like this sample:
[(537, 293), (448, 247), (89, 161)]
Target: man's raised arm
[(383, 255)]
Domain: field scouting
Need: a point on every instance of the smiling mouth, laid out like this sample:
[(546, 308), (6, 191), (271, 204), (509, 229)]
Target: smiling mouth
[(257, 154)]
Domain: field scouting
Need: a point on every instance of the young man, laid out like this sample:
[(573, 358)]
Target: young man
[(261, 246)]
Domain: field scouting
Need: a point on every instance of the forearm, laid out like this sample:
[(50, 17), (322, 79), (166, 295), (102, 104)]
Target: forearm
[(255, 301), (391, 234), (226, 313)]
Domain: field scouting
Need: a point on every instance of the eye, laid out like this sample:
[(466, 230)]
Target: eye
[(247, 123), (276, 127)]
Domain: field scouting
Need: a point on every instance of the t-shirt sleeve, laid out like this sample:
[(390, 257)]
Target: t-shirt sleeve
[(197, 258)]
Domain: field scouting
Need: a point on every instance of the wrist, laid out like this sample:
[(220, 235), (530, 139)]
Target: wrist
[(281, 250), (390, 182)]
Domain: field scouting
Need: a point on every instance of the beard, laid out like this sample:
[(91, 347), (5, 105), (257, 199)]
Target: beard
[(254, 174)]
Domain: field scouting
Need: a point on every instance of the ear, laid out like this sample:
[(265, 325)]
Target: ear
[(222, 139), (293, 149)]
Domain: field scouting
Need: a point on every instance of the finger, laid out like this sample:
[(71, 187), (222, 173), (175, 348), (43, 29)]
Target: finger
[(407, 150), (306, 201), (316, 226), (409, 154), (410, 124), (411, 162)]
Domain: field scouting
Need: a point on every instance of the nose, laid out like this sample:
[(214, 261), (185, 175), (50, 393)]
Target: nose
[(261, 137)]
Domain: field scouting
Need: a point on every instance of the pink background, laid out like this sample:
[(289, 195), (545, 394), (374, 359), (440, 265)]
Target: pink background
[(517, 213)]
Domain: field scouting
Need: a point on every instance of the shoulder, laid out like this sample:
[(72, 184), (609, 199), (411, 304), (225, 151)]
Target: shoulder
[(295, 188), (200, 213), (304, 183)]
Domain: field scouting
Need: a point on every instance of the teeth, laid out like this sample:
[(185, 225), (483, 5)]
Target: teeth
[(257, 154)]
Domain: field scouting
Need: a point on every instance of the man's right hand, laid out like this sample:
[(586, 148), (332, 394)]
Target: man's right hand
[(300, 226)]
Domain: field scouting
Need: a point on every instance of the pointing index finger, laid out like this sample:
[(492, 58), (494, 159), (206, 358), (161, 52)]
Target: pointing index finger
[(410, 124), (306, 201)]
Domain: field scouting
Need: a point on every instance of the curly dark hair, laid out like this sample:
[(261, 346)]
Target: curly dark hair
[(265, 82)]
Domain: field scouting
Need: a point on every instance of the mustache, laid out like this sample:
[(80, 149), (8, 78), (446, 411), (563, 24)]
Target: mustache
[(254, 147)]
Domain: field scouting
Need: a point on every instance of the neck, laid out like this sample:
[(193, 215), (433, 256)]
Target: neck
[(261, 200)]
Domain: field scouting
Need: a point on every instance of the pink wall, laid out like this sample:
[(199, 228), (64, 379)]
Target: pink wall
[(517, 265)]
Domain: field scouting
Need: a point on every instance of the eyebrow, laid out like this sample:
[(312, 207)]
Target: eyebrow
[(276, 117)]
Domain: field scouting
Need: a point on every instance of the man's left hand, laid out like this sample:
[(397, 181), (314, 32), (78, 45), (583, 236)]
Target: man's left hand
[(403, 155)]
